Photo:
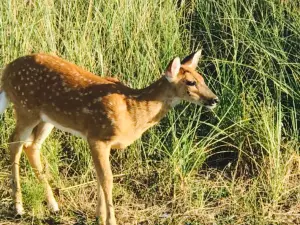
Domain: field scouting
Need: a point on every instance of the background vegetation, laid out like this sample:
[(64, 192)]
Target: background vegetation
[(239, 164)]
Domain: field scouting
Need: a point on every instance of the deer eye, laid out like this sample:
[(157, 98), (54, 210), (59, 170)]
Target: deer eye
[(190, 83)]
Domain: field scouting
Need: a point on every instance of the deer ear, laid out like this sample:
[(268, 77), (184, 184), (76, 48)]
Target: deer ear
[(173, 69), (192, 60)]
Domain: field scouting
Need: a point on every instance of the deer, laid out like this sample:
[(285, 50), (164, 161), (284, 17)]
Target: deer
[(48, 91)]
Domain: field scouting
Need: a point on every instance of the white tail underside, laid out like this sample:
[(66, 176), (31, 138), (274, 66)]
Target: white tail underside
[(3, 102)]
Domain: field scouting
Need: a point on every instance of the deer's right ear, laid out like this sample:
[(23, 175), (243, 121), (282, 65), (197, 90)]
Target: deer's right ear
[(193, 59), (173, 69)]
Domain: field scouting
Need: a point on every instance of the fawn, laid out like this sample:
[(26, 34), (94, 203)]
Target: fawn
[(48, 92)]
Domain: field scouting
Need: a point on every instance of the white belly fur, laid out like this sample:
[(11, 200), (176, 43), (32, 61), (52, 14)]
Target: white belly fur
[(47, 119)]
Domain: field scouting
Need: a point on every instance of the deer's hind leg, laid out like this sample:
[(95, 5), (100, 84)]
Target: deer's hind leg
[(24, 126), (32, 149)]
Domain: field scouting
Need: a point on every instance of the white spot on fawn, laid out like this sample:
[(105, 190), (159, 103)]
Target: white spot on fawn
[(87, 111), (97, 100)]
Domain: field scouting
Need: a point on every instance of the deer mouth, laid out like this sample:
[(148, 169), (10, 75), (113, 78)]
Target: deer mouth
[(211, 106), (212, 103)]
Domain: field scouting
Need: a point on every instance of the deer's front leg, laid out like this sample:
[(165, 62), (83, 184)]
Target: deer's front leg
[(100, 153), (101, 205)]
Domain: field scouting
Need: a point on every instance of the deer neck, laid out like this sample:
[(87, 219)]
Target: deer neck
[(152, 103)]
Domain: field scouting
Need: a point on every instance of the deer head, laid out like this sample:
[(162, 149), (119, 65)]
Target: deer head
[(188, 83)]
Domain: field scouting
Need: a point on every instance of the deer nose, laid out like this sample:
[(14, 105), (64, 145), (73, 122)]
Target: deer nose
[(215, 100)]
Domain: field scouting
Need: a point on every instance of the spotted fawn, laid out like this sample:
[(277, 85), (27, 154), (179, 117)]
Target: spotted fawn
[(48, 92)]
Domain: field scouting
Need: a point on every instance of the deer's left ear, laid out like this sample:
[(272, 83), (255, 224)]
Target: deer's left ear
[(192, 60), (173, 69)]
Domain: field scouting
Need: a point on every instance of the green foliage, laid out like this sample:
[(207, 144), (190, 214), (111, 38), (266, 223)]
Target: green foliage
[(33, 195), (237, 165)]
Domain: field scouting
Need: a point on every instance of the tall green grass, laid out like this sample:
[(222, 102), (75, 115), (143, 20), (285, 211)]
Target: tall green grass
[(239, 164)]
